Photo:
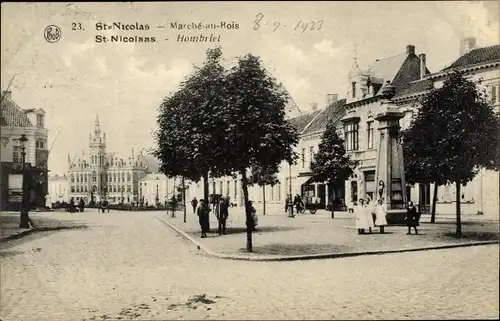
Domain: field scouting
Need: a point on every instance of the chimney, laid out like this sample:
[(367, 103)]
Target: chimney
[(410, 49), (330, 98), (467, 44), (423, 66), (7, 94), (314, 106)]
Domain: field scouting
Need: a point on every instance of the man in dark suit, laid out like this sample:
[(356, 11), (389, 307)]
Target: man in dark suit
[(223, 215)]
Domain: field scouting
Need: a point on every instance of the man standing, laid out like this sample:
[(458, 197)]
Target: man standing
[(194, 203), (223, 215)]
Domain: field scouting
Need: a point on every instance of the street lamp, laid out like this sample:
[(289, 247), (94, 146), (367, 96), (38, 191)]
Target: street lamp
[(25, 220)]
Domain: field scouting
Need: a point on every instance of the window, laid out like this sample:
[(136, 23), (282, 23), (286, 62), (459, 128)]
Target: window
[(227, 187), (123, 177), (278, 189), (128, 177), (303, 157), (114, 177), (86, 189), (129, 188), (17, 156), (351, 136), (72, 178), (353, 89), (311, 154), (94, 176), (370, 134), (354, 191), (39, 121), (72, 189), (235, 189), (85, 177), (40, 144), (494, 94)]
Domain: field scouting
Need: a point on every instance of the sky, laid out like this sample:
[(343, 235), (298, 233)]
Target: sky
[(76, 78)]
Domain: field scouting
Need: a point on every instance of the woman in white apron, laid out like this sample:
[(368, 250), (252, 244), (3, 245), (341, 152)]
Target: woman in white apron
[(380, 215), (369, 216), (361, 218)]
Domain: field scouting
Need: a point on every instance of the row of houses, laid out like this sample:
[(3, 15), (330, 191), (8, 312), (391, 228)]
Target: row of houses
[(399, 81)]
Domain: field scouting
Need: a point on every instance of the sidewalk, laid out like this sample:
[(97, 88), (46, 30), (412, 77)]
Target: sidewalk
[(313, 236), (44, 221)]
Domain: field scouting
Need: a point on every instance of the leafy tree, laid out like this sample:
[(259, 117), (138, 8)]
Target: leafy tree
[(419, 167), (257, 133), (263, 176), (454, 134), (189, 122), (331, 164)]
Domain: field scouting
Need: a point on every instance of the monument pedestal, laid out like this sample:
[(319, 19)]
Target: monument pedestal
[(389, 174)]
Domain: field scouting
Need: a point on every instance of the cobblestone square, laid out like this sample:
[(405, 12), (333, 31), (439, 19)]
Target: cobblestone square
[(131, 266)]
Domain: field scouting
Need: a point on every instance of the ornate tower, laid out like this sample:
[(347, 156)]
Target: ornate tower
[(97, 144)]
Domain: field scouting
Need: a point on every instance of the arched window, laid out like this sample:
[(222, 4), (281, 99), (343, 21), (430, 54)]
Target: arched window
[(129, 177), (94, 176)]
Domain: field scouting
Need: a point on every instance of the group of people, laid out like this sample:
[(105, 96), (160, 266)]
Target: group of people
[(221, 210), (369, 217), (296, 203)]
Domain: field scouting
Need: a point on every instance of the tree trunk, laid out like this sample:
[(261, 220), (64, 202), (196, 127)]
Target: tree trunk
[(249, 219), (459, 220), (205, 193), (434, 200), (184, 198), (173, 200), (331, 204), (264, 199)]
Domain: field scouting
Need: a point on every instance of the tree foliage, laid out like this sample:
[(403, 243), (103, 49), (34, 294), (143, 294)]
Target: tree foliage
[(331, 163), (263, 176), (454, 134), (189, 142)]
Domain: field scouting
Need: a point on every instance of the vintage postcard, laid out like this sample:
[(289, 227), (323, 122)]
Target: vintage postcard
[(250, 160)]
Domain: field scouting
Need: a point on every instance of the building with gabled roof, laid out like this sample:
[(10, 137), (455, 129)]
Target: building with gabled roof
[(16, 121)]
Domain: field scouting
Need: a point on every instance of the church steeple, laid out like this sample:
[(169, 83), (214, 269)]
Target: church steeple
[(97, 127)]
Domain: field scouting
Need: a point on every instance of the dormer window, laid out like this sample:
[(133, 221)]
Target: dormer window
[(40, 121), (353, 89)]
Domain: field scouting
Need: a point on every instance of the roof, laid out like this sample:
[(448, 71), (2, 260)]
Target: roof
[(387, 68), (476, 56), (333, 113), (12, 114), (415, 87), (151, 163), (300, 122)]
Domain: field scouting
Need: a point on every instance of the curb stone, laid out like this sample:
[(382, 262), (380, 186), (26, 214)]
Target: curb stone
[(210, 253), (16, 236)]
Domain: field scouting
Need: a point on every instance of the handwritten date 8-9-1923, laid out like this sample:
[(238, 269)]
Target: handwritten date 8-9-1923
[(301, 26)]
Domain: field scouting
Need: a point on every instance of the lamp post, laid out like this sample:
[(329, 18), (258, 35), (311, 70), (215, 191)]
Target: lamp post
[(25, 220)]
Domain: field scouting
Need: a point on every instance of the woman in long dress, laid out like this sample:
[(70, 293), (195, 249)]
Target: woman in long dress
[(380, 215), (369, 215), (361, 218), (411, 217)]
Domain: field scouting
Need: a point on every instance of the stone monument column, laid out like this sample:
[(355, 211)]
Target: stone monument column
[(389, 175)]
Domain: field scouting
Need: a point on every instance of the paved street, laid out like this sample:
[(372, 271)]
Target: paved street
[(131, 266)]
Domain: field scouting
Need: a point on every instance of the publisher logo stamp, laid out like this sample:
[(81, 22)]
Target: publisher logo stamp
[(52, 33)]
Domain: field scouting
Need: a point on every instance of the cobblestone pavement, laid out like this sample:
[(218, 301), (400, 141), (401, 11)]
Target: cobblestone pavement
[(131, 266)]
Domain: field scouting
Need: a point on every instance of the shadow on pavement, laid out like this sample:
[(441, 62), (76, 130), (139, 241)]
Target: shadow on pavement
[(298, 249), (238, 230)]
